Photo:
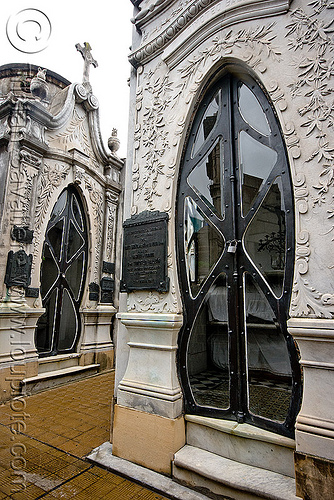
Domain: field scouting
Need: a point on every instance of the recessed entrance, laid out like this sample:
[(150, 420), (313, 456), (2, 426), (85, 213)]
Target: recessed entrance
[(63, 271), (235, 234)]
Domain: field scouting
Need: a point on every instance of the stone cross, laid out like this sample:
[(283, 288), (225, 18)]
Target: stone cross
[(88, 59)]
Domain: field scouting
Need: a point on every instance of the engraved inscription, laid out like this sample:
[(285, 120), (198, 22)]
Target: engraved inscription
[(145, 252)]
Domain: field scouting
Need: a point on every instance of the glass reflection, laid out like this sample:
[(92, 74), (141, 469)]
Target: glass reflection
[(74, 275), (256, 163), (269, 369), (55, 235), (207, 123), (251, 110), (68, 323), (205, 179), (208, 350), (45, 325), (203, 245), (49, 271), (265, 238), (75, 241), (59, 206), (77, 212)]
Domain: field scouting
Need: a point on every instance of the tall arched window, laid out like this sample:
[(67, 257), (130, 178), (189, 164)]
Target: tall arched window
[(235, 236), (63, 271)]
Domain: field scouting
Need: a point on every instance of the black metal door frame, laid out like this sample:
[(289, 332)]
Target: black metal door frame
[(61, 283), (232, 227)]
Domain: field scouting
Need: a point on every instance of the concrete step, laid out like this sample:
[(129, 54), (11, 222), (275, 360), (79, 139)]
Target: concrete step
[(53, 363), (202, 469), (242, 443), (48, 380)]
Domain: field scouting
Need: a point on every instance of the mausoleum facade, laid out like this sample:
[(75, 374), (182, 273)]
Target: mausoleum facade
[(225, 332), (59, 200)]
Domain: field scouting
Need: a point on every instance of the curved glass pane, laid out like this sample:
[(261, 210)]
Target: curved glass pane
[(77, 212), (68, 326), (62, 275), (265, 238), (208, 350), (256, 163), (59, 206), (75, 241), (74, 275), (207, 123), (205, 179), (269, 369), (251, 110), (49, 271), (45, 324), (55, 235), (203, 245)]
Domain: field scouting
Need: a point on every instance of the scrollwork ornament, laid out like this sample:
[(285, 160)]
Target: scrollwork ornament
[(307, 301), (153, 301)]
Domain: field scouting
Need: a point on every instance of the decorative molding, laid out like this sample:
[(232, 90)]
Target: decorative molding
[(97, 199), (75, 133), (52, 177), (311, 32), (228, 15), (151, 139), (155, 8), (111, 220), (30, 157), (153, 301)]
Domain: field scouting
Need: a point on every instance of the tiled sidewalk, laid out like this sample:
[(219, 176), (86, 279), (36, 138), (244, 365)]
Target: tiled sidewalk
[(45, 437)]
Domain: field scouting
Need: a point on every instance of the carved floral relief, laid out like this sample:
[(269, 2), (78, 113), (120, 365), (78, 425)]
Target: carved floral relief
[(161, 118), (309, 36)]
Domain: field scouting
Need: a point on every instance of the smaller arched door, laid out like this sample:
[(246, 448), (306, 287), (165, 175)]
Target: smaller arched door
[(63, 272), (235, 234)]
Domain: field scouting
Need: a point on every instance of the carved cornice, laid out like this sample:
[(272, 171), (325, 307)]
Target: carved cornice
[(228, 15), (145, 15)]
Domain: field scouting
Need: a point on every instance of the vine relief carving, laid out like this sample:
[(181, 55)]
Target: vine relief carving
[(309, 35), (75, 133), (157, 98), (53, 175), (97, 199)]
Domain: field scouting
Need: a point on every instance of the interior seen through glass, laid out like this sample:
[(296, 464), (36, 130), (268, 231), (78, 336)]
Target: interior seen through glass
[(203, 245), (208, 350), (254, 308), (269, 369)]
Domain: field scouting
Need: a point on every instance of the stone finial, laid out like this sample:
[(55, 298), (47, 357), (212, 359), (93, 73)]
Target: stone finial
[(86, 52), (38, 85), (113, 141)]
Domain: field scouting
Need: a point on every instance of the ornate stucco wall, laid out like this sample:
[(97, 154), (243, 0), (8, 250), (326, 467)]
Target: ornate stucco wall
[(177, 47)]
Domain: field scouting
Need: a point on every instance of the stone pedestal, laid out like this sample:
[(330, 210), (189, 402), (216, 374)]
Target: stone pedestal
[(150, 382), (97, 345), (18, 355), (149, 398), (315, 423)]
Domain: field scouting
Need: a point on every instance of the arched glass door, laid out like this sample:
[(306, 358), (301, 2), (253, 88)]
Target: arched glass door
[(235, 236), (63, 271)]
